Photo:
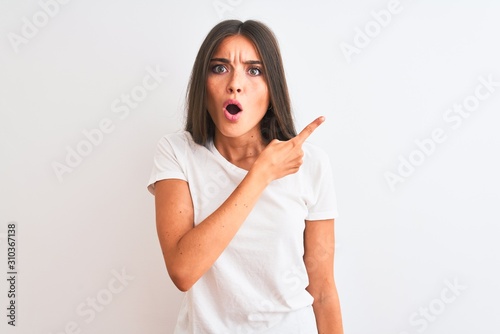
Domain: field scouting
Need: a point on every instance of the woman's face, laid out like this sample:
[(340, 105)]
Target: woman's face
[(237, 93)]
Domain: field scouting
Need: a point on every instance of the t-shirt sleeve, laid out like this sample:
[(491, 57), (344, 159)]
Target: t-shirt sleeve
[(166, 163), (322, 200)]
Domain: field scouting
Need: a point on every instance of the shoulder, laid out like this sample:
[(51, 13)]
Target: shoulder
[(176, 138), (316, 161), (178, 141), (313, 154)]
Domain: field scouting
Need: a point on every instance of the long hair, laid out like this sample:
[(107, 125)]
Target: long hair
[(277, 123)]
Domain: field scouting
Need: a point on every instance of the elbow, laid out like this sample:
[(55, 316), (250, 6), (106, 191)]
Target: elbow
[(323, 293), (182, 285), (182, 279), (183, 272)]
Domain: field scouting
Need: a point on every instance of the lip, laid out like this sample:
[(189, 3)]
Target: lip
[(227, 114)]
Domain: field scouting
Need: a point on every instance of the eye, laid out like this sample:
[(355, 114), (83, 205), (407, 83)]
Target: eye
[(218, 69), (255, 71)]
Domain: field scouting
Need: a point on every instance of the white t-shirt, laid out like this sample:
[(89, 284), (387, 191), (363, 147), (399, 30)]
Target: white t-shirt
[(257, 285)]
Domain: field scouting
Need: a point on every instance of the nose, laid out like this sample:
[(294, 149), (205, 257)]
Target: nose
[(234, 85)]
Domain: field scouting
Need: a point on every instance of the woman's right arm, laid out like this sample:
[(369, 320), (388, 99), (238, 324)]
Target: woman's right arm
[(190, 251)]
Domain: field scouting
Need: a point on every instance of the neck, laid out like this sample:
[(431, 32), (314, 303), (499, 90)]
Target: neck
[(240, 151)]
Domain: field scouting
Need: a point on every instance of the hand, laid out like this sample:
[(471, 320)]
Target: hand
[(281, 158)]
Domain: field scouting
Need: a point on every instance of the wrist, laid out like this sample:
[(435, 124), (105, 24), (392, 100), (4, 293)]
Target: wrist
[(259, 176)]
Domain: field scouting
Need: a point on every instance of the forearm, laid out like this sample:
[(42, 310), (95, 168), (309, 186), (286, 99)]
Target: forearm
[(199, 248), (328, 314)]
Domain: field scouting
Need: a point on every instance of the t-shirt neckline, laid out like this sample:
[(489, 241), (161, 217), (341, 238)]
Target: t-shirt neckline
[(220, 157)]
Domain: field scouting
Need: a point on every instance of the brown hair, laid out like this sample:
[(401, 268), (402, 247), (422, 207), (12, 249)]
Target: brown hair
[(278, 121)]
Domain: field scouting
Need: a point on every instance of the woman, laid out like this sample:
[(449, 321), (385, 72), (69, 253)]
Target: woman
[(244, 207)]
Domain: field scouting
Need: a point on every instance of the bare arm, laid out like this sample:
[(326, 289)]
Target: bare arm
[(319, 244), (190, 251)]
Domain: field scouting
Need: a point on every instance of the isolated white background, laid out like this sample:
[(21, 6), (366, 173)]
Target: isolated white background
[(396, 248)]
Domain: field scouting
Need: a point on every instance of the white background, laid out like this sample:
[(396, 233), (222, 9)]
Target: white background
[(398, 250)]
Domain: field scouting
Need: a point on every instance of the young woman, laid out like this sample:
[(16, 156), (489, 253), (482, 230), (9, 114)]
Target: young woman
[(244, 207)]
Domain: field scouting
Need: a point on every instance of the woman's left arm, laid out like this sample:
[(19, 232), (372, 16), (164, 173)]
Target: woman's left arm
[(319, 246)]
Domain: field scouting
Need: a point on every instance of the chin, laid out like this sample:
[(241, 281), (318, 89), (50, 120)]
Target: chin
[(235, 131)]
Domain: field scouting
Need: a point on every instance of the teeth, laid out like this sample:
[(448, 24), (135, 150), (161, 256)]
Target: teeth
[(233, 109)]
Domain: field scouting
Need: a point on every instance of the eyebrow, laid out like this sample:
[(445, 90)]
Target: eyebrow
[(226, 61)]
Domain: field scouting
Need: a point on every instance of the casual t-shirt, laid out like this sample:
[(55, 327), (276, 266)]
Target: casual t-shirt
[(257, 285)]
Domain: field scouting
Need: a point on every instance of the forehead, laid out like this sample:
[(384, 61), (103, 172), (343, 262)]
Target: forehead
[(237, 46)]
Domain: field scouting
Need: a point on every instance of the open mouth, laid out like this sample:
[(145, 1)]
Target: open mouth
[(233, 109)]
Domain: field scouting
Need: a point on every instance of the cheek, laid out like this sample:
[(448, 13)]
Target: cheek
[(210, 87), (211, 91), (216, 84), (263, 94)]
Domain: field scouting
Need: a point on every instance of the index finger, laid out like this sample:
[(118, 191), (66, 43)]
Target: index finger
[(309, 129)]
